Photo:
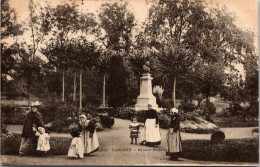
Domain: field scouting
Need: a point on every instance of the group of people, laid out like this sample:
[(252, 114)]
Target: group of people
[(35, 136), (149, 132)]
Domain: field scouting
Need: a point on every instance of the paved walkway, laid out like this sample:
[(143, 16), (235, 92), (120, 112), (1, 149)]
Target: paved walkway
[(115, 149), (230, 133)]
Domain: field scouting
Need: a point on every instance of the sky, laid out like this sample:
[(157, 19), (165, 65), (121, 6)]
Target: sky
[(246, 11)]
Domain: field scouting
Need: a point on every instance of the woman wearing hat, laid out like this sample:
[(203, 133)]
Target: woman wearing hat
[(174, 146), (32, 121), (88, 134), (152, 131)]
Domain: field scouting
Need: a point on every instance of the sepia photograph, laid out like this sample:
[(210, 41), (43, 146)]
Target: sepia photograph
[(129, 82)]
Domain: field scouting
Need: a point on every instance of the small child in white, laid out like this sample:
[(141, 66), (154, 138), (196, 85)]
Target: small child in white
[(43, 145), (76, 149), (134, 130)]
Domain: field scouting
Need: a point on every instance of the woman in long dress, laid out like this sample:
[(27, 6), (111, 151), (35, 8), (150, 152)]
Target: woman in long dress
[(88, 135), (174, 146), (32, 121), (153, 137)]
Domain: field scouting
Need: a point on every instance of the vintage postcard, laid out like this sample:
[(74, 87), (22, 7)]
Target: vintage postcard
[(130, 82)]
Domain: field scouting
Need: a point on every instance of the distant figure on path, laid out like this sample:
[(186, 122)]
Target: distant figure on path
[(32, 121), (174, 146), (153, 137), (88, 135)]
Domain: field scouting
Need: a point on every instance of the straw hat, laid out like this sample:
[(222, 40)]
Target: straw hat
[(35, 104)]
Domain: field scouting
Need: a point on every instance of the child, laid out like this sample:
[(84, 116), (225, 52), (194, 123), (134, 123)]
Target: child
[(43, 145), (76, 149), (134, 127), (142, 134)]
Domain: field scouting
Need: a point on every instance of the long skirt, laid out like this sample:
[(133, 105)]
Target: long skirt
[(90, 144), (142, 136), (173, 142), (153, 136), (28, 146)]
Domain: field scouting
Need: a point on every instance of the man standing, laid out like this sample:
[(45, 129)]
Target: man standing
[(153, 137)]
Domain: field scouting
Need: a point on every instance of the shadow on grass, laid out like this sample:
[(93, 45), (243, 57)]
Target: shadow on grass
[(241, 150)]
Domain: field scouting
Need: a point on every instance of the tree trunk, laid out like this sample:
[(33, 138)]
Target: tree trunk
[(104, 91), (75, 86), (63, 86), (80, 90), (29, 93), (174, 92)]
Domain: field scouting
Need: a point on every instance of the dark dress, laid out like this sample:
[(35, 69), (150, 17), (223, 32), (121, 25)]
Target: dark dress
[(153, 136), (174, 146), (134, 127), (29, 140)]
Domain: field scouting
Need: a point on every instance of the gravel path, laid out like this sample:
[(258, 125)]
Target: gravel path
[(122, 125), (115, 149)]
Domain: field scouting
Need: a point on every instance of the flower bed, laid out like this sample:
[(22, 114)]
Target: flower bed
[(192, 122)]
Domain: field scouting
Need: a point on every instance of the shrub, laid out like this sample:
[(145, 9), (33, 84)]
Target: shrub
[(165, 103), (208, 109), (164, 121), (187, 107), (126, 113), (107, 121), (141, 115), (6, 139)]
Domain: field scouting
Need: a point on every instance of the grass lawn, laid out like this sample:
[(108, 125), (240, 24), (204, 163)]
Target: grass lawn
[(244, 150), (228, 122), (240, 150)]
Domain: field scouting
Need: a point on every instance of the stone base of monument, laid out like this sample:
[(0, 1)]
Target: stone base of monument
[(143, 102), (146, 95)]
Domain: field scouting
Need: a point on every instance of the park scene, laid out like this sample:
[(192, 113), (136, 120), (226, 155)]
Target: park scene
[(145, 82)]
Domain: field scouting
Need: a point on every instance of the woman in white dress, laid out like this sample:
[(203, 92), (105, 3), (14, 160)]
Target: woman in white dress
[(153, 137), (88, 134)]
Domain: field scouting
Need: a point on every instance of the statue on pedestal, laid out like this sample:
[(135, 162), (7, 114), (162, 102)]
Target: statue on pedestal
[(146, 95), (146, 67)]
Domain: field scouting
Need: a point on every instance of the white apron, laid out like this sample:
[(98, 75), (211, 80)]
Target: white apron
[(152, 133), (90, 144)]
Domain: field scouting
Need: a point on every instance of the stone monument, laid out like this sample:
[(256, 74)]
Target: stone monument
[(146, 91)]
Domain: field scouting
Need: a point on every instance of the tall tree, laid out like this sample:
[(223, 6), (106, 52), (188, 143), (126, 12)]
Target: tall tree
[(38, 25), (117, 88), (65, 21), (168, 25), (9, 29), (117, 22)]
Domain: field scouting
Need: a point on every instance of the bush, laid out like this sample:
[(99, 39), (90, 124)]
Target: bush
[(187, 107), (126, 113), (208, 109), (6, 139), (107, 121), (238, 150), (165, 103), (11, 114), (164, 121)]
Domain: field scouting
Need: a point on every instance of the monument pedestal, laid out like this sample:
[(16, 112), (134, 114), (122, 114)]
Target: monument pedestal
[(146, 93)]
